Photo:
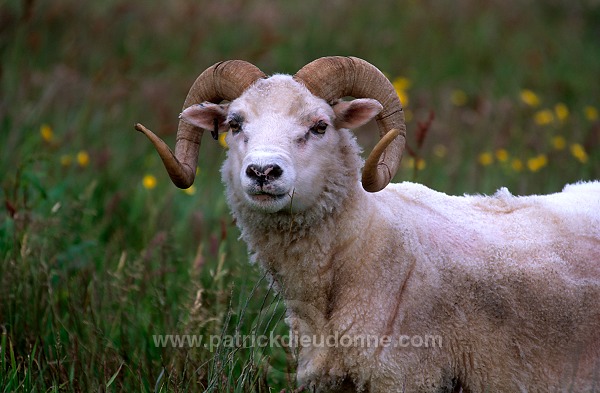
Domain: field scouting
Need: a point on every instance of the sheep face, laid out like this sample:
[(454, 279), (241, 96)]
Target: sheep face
[(283, 141)]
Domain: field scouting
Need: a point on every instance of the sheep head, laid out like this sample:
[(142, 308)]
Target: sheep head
[(274, 123)]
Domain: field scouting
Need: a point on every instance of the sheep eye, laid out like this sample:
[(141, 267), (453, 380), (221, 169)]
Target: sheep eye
[(319, 127), (235, 126)]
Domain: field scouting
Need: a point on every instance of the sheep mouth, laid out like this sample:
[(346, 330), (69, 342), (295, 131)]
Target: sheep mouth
[(266, 196)]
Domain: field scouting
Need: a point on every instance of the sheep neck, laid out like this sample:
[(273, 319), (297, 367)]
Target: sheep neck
[(307, 256)]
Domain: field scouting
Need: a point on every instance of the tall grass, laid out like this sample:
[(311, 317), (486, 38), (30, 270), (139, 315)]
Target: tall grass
[(99, 253)]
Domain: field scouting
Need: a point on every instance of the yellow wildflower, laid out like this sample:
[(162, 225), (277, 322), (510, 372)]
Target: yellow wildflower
[(543, 117), (485, 158), (401, 83), (458, 97), (561, 111), (591, 113), (47, 133), (502, 155), (403, 96), (83, 158), (149, 182), (222, 140), (536, 163), (579, 152), (517, 165), (191, 190), (440, 150), (419, 163), (530, 98), (559, 142)]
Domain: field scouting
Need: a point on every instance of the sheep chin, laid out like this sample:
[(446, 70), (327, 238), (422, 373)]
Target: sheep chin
[(267, 203)]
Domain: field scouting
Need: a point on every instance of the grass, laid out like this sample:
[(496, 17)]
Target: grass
[(99, 252)]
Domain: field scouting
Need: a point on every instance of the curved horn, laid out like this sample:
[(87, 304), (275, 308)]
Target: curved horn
[(225, 80), (335, 77)]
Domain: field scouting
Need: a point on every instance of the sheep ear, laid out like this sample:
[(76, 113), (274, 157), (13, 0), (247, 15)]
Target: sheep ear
[(206, 116), (355, 113)]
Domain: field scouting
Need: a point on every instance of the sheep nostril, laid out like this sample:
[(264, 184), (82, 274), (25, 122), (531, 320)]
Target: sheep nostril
[(263, 174), (273, 171), (253, 172)]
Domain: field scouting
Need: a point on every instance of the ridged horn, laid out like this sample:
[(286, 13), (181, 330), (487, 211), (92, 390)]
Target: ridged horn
[(225, 80), (336, 77)]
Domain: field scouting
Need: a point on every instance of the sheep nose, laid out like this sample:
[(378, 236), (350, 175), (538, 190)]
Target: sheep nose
[(263, 174)]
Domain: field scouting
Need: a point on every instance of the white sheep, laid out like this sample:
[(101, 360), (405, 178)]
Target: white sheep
[(508, 287)]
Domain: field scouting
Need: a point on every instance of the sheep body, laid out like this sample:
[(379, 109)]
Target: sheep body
[(516, 303), (510, 284)]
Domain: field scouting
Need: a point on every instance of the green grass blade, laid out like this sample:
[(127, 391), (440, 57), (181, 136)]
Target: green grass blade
[(112, 379)]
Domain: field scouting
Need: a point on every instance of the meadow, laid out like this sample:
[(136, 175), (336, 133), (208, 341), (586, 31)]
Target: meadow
[(100, 255)]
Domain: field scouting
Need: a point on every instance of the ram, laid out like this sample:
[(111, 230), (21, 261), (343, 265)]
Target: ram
[(394, 287)]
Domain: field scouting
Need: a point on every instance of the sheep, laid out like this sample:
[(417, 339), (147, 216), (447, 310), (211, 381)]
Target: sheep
[(507, 286)]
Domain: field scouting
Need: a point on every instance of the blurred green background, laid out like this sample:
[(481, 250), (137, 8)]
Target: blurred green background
[(99, 252)]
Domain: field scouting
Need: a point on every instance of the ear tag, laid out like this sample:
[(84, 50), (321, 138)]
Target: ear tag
[(215, 131)]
